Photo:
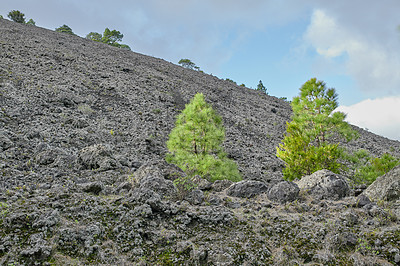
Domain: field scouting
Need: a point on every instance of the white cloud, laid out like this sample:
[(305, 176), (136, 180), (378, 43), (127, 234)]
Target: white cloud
[(374, 63), (381, 116)]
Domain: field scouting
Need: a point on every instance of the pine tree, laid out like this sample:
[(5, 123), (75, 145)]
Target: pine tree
[(66, 29), (17, 16), (261, 87), (31, 22), (195, 143), (186, 63), (307, 146), (110, 37)]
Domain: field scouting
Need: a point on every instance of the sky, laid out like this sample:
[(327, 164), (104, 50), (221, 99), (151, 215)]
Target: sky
[(353, 46)]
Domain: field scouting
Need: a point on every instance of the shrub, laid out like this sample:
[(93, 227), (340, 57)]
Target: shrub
[(371, 168)]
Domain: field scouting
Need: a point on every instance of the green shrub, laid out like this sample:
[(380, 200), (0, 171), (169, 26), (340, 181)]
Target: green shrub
[(374, 168), (195, 143)]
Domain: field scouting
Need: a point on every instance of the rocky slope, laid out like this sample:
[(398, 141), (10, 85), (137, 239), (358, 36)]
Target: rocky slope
[(83, 128)]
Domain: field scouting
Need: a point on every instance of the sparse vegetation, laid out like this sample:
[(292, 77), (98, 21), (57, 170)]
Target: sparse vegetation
[(230, 80), (367, 168), (65, 29), (195, 143), (187, 63), (31, 22), (110, 37), (17, 16), (307, 145), (261, 87)]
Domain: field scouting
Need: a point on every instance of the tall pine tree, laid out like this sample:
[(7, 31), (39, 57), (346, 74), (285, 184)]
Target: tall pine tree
[(308, 145)]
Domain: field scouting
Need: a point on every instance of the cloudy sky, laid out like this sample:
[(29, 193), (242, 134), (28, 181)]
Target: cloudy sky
[(354, 46)]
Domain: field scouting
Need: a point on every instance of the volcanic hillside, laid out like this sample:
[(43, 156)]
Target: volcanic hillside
[(68, 93), (79, 118)]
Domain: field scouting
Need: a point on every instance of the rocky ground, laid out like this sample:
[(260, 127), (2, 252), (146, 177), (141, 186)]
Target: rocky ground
[(83, 128)]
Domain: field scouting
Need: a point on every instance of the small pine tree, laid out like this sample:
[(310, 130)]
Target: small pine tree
[(65, 29), (261, 87), (186, 63), (307, 145), (17, 16), (110, 37), (94, 36), (31, 22), (195, 143)]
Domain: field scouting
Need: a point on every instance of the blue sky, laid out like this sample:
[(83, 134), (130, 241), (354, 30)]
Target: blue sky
[(354, 46)]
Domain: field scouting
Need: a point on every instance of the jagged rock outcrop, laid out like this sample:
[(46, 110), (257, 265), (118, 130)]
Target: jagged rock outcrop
[(83, 178), (96, 157), (386, 187), (324, 184)]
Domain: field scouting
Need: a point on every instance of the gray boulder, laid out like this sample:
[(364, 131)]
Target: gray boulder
[(361, 201), (96, 157), (324, 184), (158, 184), (201, 183), (49, 156), (93, 187), (151, 176), (386, 187), (159, 168), (195, 197), (220, 185), (283, 192), (247, 189), (5, 142)]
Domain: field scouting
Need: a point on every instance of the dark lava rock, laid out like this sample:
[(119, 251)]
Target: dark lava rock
[(284, 192), (247, 189), (361, 201), (220, 185), (158, 184), (93, 187), (195, 197), (5, 142), (201, 183)]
